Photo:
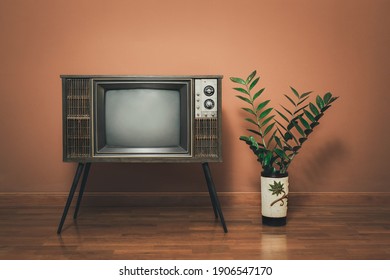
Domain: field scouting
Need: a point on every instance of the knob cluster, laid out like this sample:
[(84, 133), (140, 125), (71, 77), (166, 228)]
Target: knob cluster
[(205, 98), (209, 91)]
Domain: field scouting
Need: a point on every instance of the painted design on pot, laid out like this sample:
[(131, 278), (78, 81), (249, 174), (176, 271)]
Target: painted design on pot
[(274, 198), (277, 189)]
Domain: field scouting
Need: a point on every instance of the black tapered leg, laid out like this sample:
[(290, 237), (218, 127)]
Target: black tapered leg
[(213, 195), (207, 174), (213, 203), (76, 179), (82, 188), (208, 177)]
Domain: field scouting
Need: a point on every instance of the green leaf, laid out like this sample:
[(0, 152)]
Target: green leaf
[(244, 138), (281, 134), (253, 141), (303, 95), (255, 132), (309, 116), (260, 152), (267, 158), (308, 131), (303, 139), (282, 126), (253, 84), (300, 130), (283, 116), (268, 129), (265, 113), (319, 116), (287, 148), (250, 77), (241, 90), (314, 124), (249, 111), (244, 99), (294, 119), (278, 142), (254, 149), (320, 102), (288, 111), (300, 109), (302, 100), (262, 105), (296, 148), (257, 94), (271, 138), (295, 139), (251, 121), (327, 97), (281, 154), (289, 98), (295, 92), (304, 122), (314, 109), (267, 120), (237, 80), (333, 99), (326, 107), (287, 136)]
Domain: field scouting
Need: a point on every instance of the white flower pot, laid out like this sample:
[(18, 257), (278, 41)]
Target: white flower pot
[(274, 197)]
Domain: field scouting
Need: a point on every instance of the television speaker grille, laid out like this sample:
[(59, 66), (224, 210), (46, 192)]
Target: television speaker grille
[(78, 118), (206, 138)]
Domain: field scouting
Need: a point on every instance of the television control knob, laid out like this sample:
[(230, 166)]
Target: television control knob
[(209, 90), (198, 107), (209, 104)]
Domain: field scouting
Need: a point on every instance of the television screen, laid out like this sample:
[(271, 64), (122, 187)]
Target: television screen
[(142, 118)]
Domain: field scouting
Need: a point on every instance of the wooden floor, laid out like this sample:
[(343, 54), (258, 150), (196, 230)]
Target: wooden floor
[(312, 232)]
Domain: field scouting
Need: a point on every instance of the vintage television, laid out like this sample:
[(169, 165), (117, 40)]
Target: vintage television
[(141, 118)]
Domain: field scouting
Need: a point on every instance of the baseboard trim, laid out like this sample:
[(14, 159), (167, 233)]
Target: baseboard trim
[(192, 199)]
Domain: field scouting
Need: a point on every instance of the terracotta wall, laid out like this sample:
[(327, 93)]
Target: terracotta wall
[(326, 45)]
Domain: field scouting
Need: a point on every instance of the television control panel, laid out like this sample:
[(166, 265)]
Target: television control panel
[(206, 98)]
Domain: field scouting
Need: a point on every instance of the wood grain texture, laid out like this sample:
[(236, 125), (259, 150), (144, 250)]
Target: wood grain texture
[(192, 199), (344, 231)]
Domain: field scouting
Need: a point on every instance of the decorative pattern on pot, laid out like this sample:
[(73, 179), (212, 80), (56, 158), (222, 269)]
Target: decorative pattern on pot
[(274, 200)]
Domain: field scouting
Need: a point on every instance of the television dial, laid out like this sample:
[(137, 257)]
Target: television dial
[(209, 104), (209, 90)]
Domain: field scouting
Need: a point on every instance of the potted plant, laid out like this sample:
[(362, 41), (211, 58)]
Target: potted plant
[(276, 141)]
